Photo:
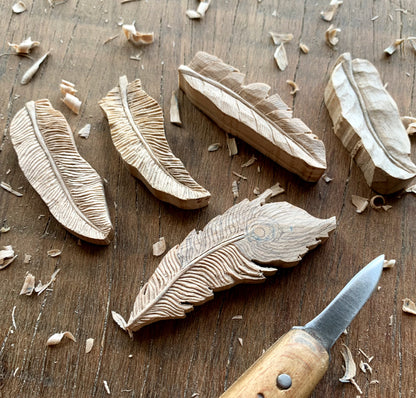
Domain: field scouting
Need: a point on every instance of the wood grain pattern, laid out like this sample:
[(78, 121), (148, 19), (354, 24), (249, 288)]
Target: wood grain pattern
[(199, 354)]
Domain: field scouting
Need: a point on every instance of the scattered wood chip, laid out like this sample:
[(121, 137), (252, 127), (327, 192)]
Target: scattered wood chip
[(127, 1), (106, 387), (137, 37), (19, 7), (214, 147), (369, 359), (280, 57), (237, 317), (196, 394), (276, 189), (54, 252), (386, 207), (88, 345), (13, 318), (175, 116), (159, 247), (392, 48), (279, 38), (256, 191), (28, 76), (374, 382), (234, 189), (200, 11), (377, 202), (389, 264), (4, 230), (57, 338), (327, 178), (249, 162), (28, 285), (329, 12), (6, 256), (232, 146), (409, 123), (359, 202), (375, 18), (40, 288), (137, 57), (240, 340), (409, 306), (304, 48), (72, 103), (25, 46), (8, 188), (350, 368), (365, 367), (27, 259), (67, 87), (85, 131), (119, 320), (295, 87), (240, 176), (111, 38), (331, 36), (391, 320), (411, 189)]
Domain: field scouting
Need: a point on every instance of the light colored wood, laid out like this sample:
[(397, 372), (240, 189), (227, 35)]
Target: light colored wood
[(248, 112), (137, 131), (226, 252), (367, 121), (296, 354)]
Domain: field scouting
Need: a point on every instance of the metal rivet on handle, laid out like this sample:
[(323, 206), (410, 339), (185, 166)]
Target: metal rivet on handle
[(284, 381)]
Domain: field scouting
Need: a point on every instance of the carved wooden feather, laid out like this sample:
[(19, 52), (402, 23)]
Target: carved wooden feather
[(136, 123), (367, 121), (248, 112), (68, 185), (226, 252)]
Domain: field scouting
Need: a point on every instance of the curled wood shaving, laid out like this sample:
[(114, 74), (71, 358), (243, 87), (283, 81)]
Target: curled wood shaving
[(72, 103), (276, 189), (359, 202), (54, 252), (88, 345), (137, 37), (13, 318), (304, 48), (27, 259), (295, 87), (106, 387), (19, 7), (85, 131), (4, 230), (329, 12), (279, 38), (331, 36), (28, 76), (8, 188), (409, 123), (159, 247), (200, 11), (57, 338), (389, 264), (392, 48), (327, 178), (234, 189), (249, 162), (377, 202), (7, 256), (240, 176), (175, 116), (67, 87), (41, 288), (25, 46), (350, 368), (409, 306), (411, 189), (256, 191), (214, 147), (119, 320), (28, 285), (369, 359), (232, 146), (111, 38), (365, 367), (280, 57)]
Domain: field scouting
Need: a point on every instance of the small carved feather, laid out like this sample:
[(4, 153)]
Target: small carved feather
[(248, 112), (68, 185), (137, 131), (226, 252), (367, 121)]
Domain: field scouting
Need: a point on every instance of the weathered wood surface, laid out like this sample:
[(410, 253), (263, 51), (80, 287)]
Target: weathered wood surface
[(200, 354)]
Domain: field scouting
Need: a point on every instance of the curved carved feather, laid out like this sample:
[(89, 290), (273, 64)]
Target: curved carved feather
[(68, 185), (263, 121), (136, 123), (226, 252), (367, 121)]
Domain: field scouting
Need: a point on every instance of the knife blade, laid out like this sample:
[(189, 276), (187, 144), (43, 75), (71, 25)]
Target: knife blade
[(294, 364)]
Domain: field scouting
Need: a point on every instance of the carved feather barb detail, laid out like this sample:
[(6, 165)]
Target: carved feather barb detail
[(137, 131), (367, 121), (226, 252), (68, 185), (248, 112)]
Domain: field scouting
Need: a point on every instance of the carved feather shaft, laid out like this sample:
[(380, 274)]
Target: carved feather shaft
[(226, 252), (247, 111), (68, 185), (137, 130)]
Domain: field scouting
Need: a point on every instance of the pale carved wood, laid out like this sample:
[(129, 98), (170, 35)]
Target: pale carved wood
[(367, 121), (248, 112)]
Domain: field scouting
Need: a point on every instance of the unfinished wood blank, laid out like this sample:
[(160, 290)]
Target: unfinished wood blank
[(248, 112), (367, 122)]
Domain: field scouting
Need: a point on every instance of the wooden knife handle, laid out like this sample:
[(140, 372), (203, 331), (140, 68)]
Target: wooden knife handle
[(296, 354)]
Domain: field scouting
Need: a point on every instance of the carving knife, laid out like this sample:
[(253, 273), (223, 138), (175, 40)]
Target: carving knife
[(294, 364)]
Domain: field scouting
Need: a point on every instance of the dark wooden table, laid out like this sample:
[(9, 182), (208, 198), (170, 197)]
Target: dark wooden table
[(202, 353)]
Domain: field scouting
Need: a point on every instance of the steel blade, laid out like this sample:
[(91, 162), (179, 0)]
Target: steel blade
[(336, 317)]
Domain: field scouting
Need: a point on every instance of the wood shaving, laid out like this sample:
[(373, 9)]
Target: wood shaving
[(27, 259), (280, 57), (237, 317), (279, 38), (214, 147), (137, 37), (175, 116), (374, 382), (409, 123), (377, 202), (256, 191), (111, 38), (329, 12), (402, 10), (350, 368), (359, 202), (240, 176), (386, 207), (13, 318), (54, 252), (127, 1), (25, 46), (4, 230), (304, 48), (159, 247), (391, 320), (40, 288), (28, 285), (137, 57), (72, 103), (28, 76), (295, 87), (232, 146), (249, 162), (365, 367), (240, 340), (389, 264), (200, 11), (234, 189), (67, 87), (327, 178), (392, 48), (411, 189), (8, 188), (85, 131), (88, 345), (369, 359), (19, 7), (106, 387), (276, 189), (375, 18), (409, 306), (6, 256), (331, 36), (57, 338)]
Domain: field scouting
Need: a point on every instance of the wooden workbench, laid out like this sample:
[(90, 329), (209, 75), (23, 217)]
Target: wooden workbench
[(202, 353)]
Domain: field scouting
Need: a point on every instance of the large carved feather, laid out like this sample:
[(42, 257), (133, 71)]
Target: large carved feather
[(226, 252), (137, 131), (68, 185), (247, 111)]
